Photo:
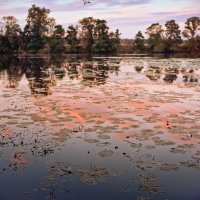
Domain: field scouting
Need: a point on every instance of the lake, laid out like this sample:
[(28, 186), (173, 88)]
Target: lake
[(118, 127)]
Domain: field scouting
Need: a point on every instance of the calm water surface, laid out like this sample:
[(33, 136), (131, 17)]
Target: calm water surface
[(107, 128)]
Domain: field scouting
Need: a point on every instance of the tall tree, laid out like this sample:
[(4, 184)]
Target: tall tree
[(37, 27), (173, 35), (87, 36), (95, 36), (39, 19), (31, 38), (192, 26), (12, 31), (56, 41), (139, 42), (72, 39), (114, 41), (101, 35), (155, 37)]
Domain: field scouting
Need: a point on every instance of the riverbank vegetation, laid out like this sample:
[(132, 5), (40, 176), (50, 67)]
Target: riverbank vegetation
[(41, 34), (169, 38)]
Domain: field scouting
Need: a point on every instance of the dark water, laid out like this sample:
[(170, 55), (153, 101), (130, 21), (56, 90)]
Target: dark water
[(105, 128)]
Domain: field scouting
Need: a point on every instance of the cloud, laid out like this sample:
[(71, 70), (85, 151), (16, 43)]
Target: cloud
[(164, 13), (70, 5), (121, 2), (97, 5), (13, 11), (127, 15), (180, 15)]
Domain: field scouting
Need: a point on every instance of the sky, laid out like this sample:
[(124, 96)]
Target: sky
[(129, 16)]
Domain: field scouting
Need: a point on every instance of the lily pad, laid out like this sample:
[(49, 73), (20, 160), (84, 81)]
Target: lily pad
[(106, 153)]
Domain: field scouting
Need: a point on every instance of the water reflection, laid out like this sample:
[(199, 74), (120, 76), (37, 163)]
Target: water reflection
[(14, 71), (109, 124), (43, 73), (169, 74), (58, 66)]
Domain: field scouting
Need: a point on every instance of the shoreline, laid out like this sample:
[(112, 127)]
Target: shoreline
[(164, 55)]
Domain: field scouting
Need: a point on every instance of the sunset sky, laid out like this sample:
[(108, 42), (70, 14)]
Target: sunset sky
[(127, 15)]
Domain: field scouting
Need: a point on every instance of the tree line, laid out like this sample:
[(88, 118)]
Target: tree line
[(169, 38), (41, 34)]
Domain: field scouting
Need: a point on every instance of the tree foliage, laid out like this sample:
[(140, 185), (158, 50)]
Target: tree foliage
[(95, 36), (37, 27), (72, 39), (12, 32), (139, 42), (155, 37), (191, 32), (38, 18), (192, 26), (56, 41), (87, 33), (4, 44), (32, 39), (173, 35), (41, 33)]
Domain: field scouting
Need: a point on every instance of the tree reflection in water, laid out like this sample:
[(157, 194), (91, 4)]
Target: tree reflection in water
[(14, 71), (43, 73), (59, 132), (169, 74)]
